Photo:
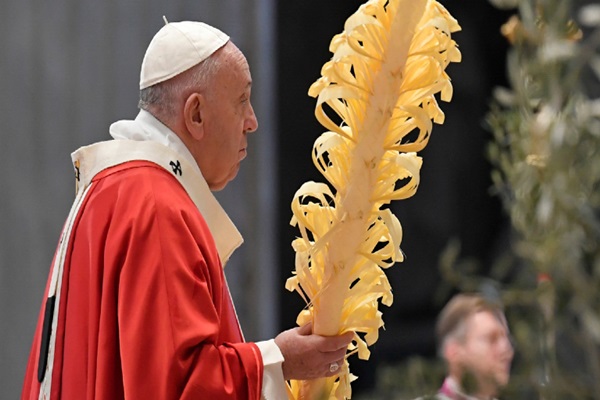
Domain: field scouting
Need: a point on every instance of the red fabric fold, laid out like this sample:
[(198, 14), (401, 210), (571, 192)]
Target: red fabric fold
[(145, 311)]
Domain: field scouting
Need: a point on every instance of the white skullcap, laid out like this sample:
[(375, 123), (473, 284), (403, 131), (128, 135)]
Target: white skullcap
[(177, 47)]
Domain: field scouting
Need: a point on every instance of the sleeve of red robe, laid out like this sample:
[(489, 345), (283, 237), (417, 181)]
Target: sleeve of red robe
[(148, 313)]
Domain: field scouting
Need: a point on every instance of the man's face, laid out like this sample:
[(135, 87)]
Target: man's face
[(487, 351), (228, 118)]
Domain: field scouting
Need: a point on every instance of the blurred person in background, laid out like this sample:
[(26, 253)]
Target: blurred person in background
[(474, 341)]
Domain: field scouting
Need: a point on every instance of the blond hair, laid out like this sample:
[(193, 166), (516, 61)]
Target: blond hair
[(451, 323)]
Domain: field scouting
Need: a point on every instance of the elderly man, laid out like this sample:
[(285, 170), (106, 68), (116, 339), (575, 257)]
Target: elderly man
[(137, 306), (473, 339)]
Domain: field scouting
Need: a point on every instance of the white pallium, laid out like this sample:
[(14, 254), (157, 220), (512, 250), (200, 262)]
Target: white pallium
[(387, 67)]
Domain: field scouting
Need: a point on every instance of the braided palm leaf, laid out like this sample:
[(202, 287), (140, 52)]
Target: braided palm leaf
[(380, 87)]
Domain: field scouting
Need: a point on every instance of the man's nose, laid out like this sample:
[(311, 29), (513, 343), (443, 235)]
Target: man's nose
[(507, 345), (251, 122)]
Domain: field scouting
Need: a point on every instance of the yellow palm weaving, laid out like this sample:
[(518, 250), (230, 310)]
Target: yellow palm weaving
[(380, 87)]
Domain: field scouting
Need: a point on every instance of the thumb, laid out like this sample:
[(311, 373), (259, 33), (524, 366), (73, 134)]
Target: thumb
[(305, 330)]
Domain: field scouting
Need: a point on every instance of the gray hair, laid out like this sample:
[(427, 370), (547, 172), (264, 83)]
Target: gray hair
[(162, 98)]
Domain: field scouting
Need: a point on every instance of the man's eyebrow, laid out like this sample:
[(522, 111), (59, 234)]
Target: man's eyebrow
[(247, 88)]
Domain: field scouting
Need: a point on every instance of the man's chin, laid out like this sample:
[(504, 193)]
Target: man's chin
[(502, 378), (217, 186)]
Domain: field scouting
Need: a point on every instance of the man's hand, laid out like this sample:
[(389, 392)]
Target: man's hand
[(309, 356)]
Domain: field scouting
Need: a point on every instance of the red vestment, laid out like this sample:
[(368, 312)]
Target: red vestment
[(145, 311)]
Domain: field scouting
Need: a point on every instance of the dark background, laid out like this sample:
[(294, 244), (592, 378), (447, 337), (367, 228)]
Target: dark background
[(454, 200)]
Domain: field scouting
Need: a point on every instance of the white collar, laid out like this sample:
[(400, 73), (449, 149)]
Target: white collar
[(146, 128)]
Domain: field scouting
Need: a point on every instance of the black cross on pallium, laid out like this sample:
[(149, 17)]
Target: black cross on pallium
[(77, 174), (176, 167)]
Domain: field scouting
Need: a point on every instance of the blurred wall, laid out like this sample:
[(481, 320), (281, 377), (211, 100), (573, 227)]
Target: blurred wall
[(69, 68)]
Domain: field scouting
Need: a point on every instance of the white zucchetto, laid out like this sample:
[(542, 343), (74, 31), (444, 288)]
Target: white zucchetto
[(177, 47)]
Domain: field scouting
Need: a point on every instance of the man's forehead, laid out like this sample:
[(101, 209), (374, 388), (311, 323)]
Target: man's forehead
[(237, 58), (485, 320)]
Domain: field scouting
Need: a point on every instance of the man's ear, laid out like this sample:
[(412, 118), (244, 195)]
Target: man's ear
[(193, 115), (452, 351)]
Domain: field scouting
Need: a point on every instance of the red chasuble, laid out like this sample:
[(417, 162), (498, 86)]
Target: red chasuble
[(145, 312)]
